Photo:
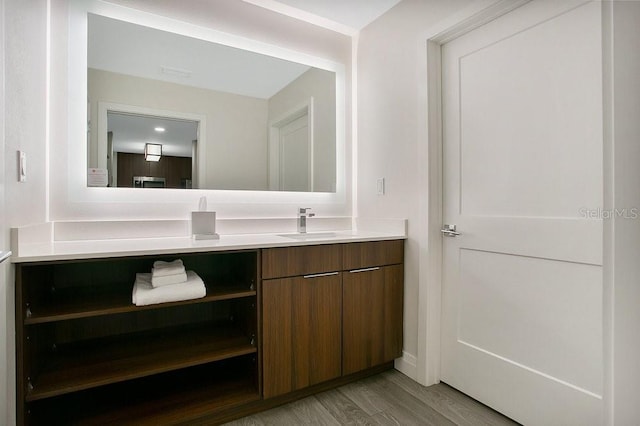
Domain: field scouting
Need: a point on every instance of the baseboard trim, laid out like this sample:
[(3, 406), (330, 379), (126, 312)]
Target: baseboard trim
[(407, 365)]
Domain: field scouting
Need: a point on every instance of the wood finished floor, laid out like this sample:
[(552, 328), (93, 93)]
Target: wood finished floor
[(389, 398)]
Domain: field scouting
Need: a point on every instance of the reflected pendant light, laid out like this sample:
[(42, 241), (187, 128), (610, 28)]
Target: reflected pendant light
[(152, 151)]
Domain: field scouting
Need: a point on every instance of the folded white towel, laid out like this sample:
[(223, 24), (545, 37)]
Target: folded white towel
[(161, 268), (163, 264), (168, 279), (145, 294)]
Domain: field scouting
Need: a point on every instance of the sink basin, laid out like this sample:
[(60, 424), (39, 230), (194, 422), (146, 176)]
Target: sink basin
[(309, 235)]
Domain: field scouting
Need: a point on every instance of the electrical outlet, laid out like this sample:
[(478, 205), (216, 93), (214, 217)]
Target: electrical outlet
[(380, 186)]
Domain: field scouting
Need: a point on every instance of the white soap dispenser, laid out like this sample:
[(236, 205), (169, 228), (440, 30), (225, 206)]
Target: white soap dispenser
[(203, 223)]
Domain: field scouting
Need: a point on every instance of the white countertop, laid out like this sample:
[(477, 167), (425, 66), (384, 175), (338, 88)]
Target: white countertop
[(95, 249)]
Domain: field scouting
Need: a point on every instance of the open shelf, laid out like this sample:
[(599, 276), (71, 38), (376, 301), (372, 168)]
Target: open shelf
[(98, 362), (184, 396), (73, 303), (85, 354)]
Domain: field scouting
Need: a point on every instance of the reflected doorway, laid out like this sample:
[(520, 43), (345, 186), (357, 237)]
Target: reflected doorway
[(291, 150), (149, 149)]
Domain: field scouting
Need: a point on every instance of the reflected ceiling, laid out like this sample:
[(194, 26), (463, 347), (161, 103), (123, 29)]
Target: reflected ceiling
[(131, 132), (160, 55)]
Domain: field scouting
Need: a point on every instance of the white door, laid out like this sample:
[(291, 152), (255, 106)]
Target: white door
[(522, 289), (294, 155)]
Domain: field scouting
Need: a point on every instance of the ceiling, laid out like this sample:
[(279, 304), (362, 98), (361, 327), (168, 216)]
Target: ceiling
[(132, 131), (344, 16), (356, 14)]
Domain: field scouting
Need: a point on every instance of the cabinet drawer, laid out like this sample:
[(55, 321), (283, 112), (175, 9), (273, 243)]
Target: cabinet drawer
[(375, 253), (293, 261)]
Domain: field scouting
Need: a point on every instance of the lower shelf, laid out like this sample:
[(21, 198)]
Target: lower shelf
[(169, 398), (85, 365)]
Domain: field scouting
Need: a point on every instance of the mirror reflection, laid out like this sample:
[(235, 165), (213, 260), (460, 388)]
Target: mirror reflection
[(145, 151), (232, 119)]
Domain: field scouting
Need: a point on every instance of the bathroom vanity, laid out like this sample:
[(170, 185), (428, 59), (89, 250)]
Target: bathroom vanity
[(282, 319), (285, 315)]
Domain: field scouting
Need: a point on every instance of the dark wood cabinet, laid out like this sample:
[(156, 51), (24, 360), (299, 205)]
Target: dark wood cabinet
[(301, 306), (293, 261), (372, 254), (86, 354), (373, 293), (301, 331), (356, 314), (372, 316), (159, 168), (275, 325)]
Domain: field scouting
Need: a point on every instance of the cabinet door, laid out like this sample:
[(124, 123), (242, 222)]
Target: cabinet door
[(372, 317), (301, 332), (277, 333)]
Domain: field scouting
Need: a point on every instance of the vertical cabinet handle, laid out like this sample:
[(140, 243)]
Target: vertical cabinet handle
[(355, 271), (327, 274)]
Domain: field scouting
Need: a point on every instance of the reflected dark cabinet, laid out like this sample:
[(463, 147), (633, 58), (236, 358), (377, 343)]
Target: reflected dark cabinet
[(175, 170)]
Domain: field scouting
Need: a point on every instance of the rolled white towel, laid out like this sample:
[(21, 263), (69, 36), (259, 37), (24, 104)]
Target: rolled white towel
[(168, 279), (161, 268), (144, 293)]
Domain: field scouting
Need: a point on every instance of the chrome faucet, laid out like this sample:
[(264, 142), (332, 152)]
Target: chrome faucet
[(302, 219)]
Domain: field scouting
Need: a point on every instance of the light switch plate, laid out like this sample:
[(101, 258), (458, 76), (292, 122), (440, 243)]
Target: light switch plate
[(380, 186), (22, 166)]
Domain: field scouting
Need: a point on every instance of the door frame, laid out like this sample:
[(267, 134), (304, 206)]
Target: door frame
[(427, 368), (275, 154), (198, 174)]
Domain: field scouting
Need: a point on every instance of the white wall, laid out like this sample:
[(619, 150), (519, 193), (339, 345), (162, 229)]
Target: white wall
[(622, 257), (232, 16), (236, 126), (25, 80), (392, 126), (24, 129), (4, 243), (321, 85)]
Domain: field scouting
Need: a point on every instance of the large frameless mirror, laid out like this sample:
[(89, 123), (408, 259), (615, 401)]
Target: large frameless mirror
[(170, 111)]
